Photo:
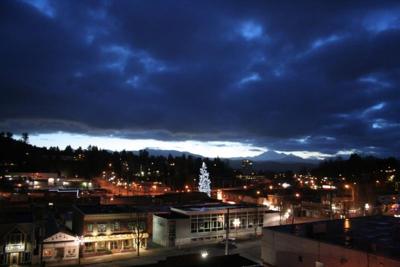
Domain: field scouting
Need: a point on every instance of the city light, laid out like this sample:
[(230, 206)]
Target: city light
[(236, 222), (204, 254)]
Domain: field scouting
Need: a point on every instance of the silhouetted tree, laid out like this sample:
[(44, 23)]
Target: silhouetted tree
[(25, 137)]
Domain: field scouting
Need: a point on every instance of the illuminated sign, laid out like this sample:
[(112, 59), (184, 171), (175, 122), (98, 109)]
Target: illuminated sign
[(15, 248)]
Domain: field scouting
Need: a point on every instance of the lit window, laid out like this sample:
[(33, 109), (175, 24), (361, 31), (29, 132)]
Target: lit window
[(47, 252), (89, 227), (102, 227)]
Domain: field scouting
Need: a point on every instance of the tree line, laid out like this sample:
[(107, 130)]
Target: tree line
[(20, 156)]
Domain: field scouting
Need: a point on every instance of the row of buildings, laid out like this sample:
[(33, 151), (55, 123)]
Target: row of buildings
[(58, 235)]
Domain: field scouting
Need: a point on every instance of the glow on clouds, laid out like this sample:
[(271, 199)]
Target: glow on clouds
[(205, 148)]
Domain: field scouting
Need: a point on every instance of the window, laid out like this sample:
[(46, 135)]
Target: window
[(101, 245), (127, 243), (89, 247), (89, 227), (251, 220), (102, 227), (115, 226), (193, 221), (131, 226), (47, 252), (114, 245), (260, 219), (200, 225)]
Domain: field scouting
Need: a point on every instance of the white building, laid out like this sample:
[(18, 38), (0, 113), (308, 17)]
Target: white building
[(196, 224), (61, 248)]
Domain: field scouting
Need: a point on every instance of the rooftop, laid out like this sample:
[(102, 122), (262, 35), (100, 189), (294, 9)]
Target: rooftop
[(172, 215), (373, 234), (216, 206), (107, 209)]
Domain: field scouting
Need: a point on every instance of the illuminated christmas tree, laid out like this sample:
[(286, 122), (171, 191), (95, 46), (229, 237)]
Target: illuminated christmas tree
[(204, 180)]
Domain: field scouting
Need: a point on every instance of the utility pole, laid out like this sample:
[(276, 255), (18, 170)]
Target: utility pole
[(292, 213), (227, 233), (330, 205)]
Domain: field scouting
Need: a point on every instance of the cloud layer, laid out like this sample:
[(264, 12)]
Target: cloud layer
[(309, 76)]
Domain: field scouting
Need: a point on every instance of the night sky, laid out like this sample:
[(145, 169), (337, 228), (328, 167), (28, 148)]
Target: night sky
[(226, 78)]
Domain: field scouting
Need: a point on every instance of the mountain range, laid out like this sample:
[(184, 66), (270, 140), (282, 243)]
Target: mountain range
[(269, 160), (269, 155)]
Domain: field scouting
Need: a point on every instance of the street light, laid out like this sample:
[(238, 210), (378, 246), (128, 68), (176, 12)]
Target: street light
[(204, 254), (366, 208)]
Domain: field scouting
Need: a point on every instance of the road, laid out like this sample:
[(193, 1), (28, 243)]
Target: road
[(250, 249)]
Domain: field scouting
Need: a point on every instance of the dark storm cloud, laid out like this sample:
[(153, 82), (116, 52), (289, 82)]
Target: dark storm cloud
[(311, 76)]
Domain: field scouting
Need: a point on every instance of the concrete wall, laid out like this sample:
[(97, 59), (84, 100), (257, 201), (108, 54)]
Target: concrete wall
[(285, 250), (160, 230), (183, 234)]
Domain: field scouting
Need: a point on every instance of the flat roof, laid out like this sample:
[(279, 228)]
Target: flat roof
[(117, 209), (373, 234), (107, 209), (172, 215), (216, 206)]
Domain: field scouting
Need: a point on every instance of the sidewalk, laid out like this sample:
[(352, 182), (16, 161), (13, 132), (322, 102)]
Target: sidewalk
[(121, 256)]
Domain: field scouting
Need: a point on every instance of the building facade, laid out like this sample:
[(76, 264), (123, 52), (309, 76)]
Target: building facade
[(61, 247), (110, 229), (18, 245), (197, 224)]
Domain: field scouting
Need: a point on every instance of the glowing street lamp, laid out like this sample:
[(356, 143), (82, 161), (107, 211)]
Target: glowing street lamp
[(204, 254)]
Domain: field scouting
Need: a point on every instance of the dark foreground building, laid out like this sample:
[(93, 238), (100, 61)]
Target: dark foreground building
[(372, 241), (204, 260)]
